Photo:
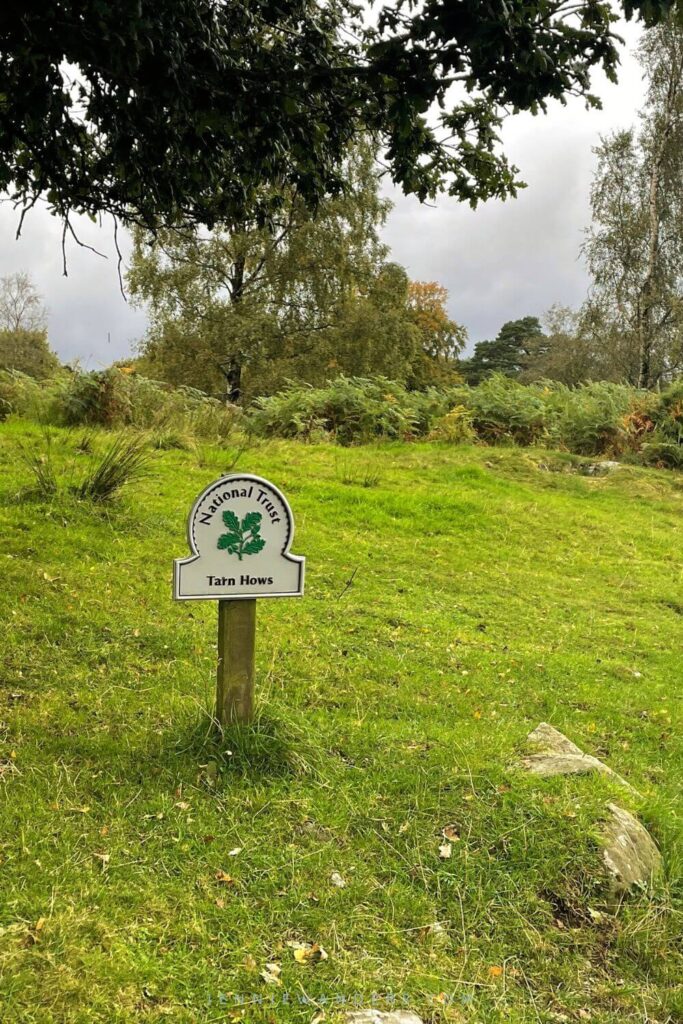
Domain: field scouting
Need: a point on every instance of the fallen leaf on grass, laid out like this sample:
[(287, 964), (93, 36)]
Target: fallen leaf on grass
[(495, 971), (271, 974), (445, 851), (337, 880), (450, 832), (233, 853), (223, 878), (307, 952)]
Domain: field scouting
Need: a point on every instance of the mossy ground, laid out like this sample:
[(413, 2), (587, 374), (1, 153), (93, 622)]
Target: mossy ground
[(488, 594)]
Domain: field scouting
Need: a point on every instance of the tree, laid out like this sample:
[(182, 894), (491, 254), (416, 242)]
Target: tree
[(441, 339), (375, 332), (181, 111), (23, 330), (508, 353), (28, 352), (21, 307), (565, 351), (264, 300), (634, 248)]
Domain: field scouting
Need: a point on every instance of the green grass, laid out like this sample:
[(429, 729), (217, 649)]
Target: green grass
[(488, 594)]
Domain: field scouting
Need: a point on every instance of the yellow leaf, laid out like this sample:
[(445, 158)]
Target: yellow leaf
[(307, 953), (224, 878), (495, 972)]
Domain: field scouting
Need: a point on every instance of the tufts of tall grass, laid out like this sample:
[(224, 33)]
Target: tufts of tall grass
[(125, 459)]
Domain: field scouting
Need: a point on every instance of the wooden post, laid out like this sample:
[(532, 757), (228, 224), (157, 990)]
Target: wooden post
[(236, 643)]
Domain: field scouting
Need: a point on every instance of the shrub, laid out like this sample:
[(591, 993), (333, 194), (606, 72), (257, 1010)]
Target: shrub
[(27, 351), (664, 454), (357, 409), (98, 399), (26, 396), (455, 427), (504, 410), (667, 414), (597, 418), (350, 410), (114, 399)]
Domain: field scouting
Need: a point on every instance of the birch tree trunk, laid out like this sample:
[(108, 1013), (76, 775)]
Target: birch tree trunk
[(646, 327)]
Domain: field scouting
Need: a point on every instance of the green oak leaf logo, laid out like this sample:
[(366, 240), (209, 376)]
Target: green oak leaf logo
[(242, 538)]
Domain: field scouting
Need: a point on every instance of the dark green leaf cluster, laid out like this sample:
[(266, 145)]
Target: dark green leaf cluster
[(199, 110), (242, 538), (509, 353)]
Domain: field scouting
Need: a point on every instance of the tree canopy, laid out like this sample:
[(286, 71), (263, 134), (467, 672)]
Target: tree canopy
[(23, 328), (507, 353), (634, 247), (240, 310), (243, 295), (177, 111)]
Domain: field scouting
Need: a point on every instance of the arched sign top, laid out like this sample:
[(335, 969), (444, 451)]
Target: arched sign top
[(239, 531)]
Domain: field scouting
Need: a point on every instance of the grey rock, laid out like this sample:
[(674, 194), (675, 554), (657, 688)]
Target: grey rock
[(546, 737), (629, 853), (600, 468), (555, 754), (382, 1017)]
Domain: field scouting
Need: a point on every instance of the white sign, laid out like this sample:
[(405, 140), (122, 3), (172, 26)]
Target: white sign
[(239, 531)]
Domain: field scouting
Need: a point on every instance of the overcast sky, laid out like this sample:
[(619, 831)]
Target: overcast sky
[(499, 262)]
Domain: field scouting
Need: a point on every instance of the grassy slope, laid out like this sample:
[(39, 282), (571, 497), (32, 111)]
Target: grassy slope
[(489, 596)]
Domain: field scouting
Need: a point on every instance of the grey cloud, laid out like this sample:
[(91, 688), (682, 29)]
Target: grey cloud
[(88, 318)]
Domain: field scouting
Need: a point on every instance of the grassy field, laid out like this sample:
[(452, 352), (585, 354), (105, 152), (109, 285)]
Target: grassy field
[(152, 872)]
